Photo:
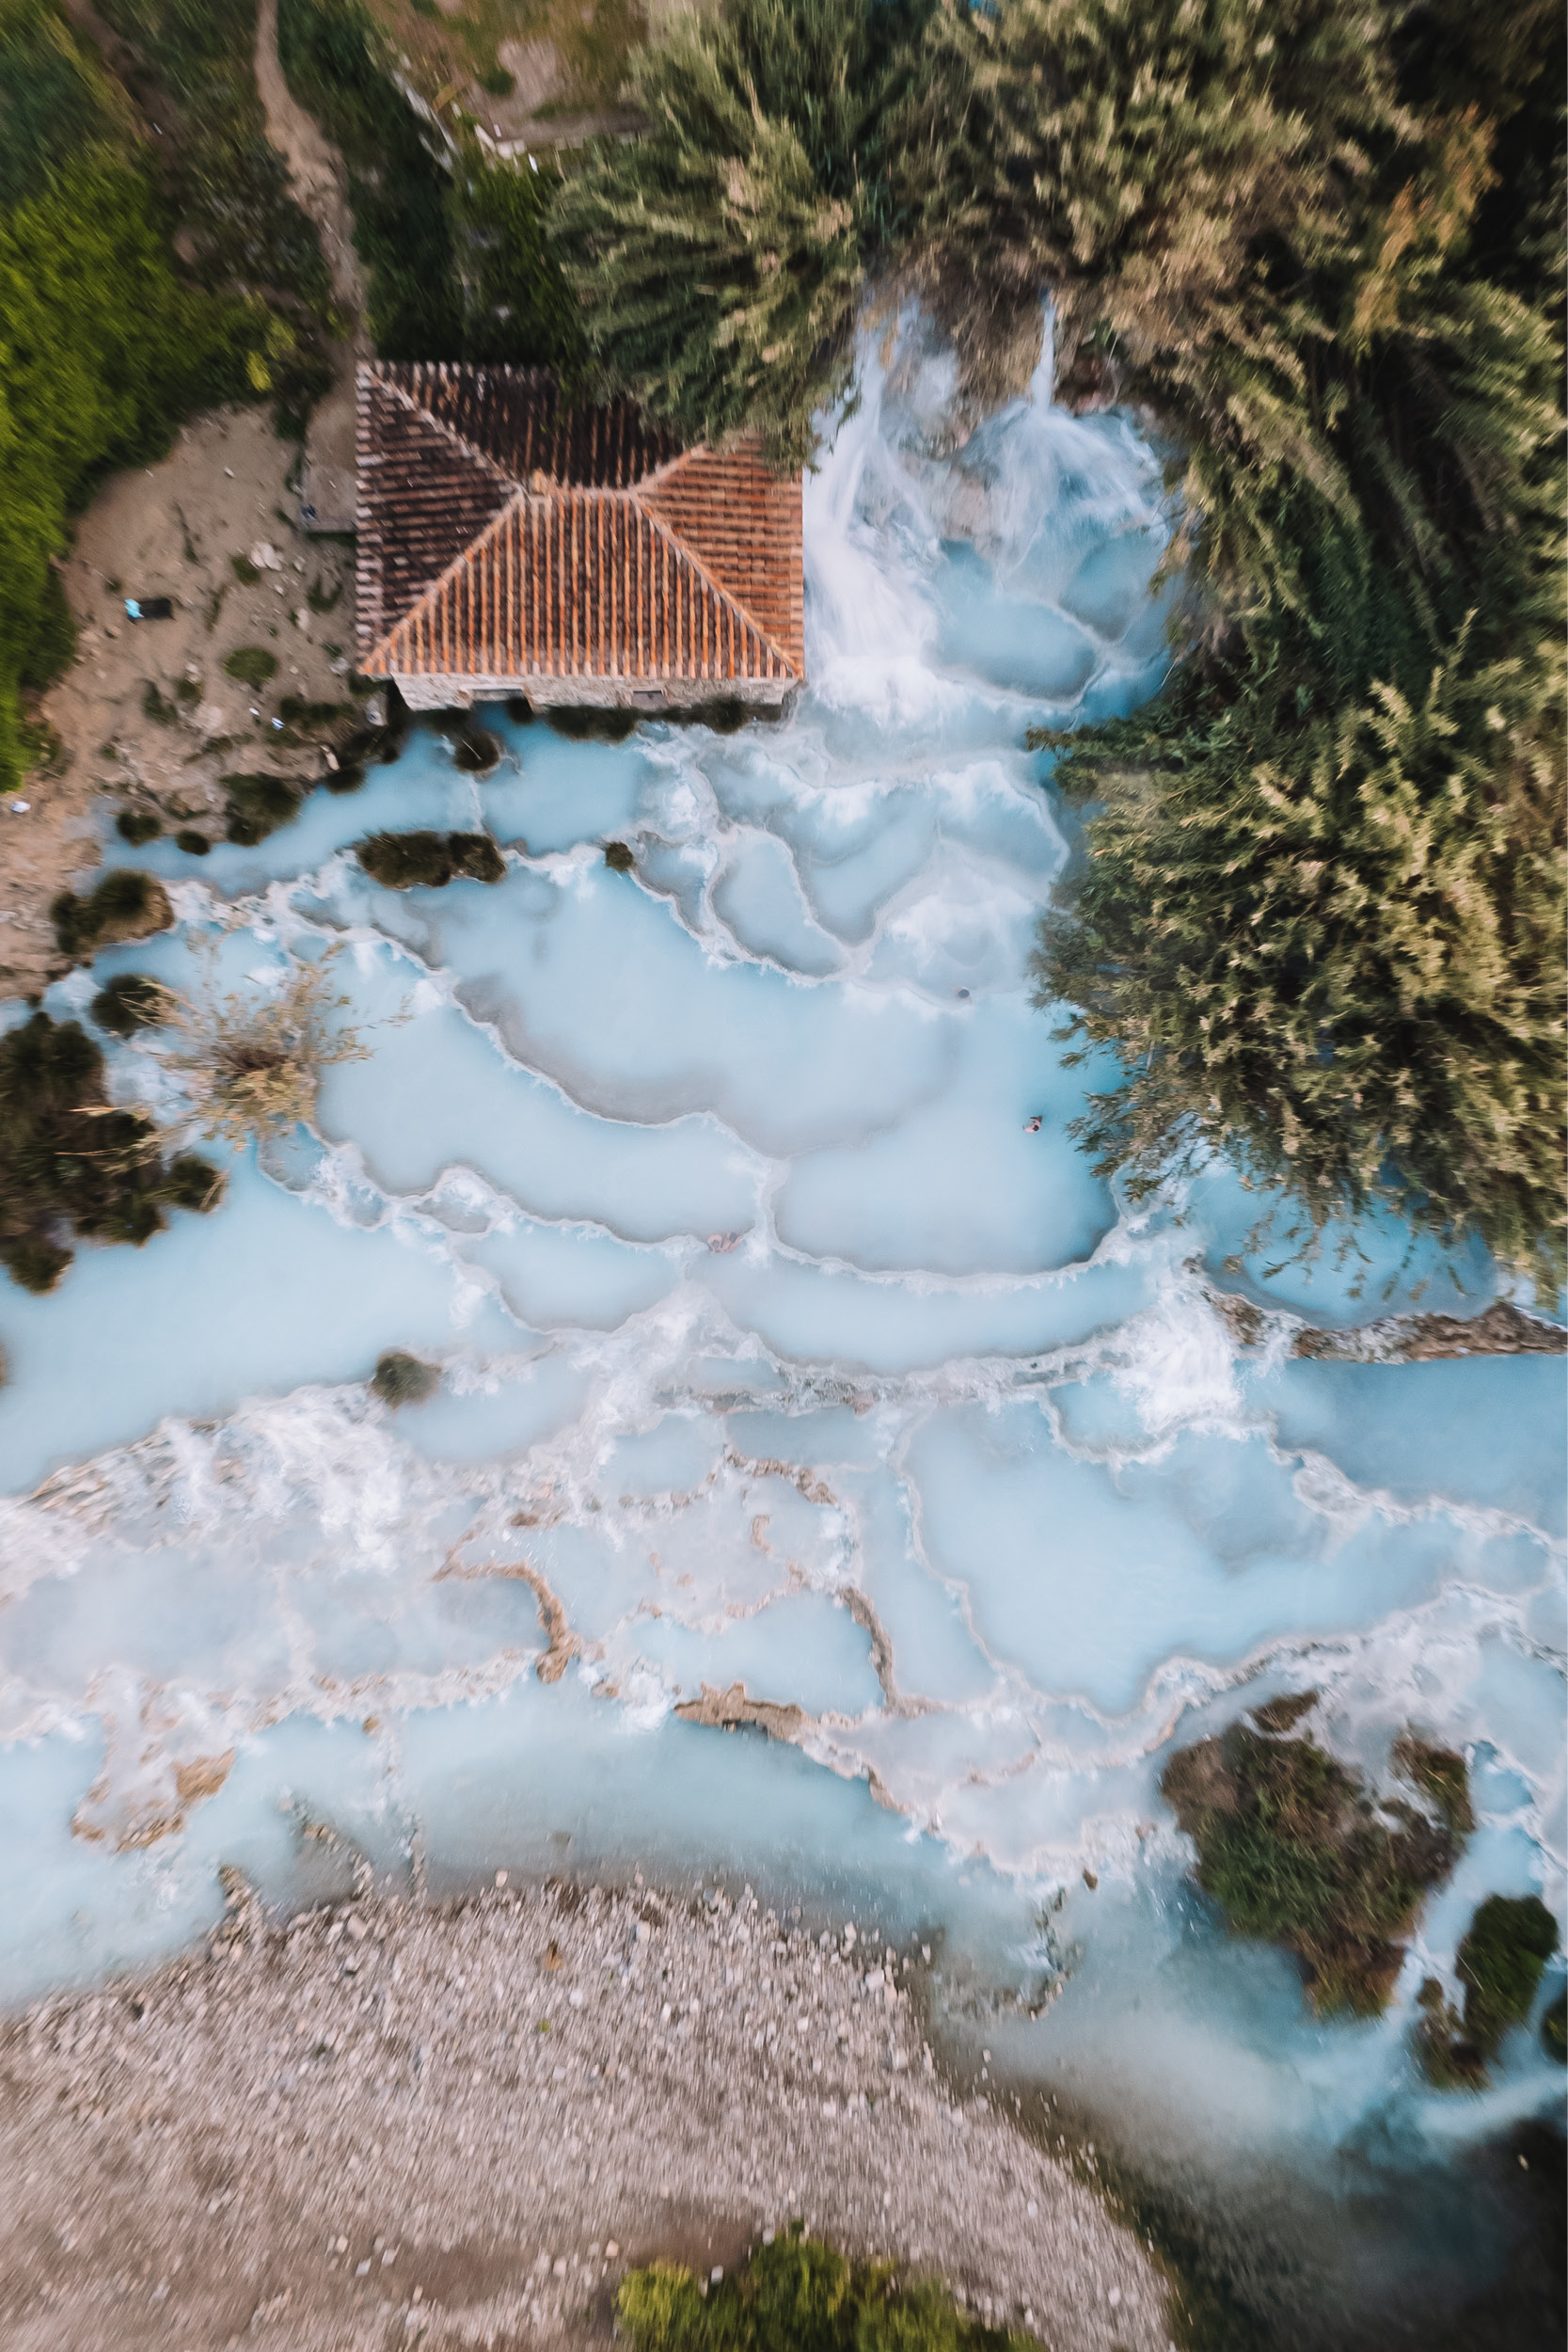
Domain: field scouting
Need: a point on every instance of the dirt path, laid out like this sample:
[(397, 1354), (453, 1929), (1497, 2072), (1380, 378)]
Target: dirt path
[(327, 491)]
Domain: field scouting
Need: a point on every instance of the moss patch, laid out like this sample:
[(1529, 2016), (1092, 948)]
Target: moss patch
[(428, 861), (124, 905), (798, 2295), (1293, 1849), (403, 1379), (69, 1163)]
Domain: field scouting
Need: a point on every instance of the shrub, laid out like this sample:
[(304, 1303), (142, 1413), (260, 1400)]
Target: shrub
[(125, 905), (253, 665), (1499, 1964), (129, 1001), (428, 861), (251, 1066), (68, 1161), (309, 717), (520, 710), (1289, 1847), (346, 777), (403, 1379), (138, 826), (194, 843), (799, 2295), (497, 82), (155, 707), (475, 752), (619, 858), (584, 723), (720, 259), (259, 804)]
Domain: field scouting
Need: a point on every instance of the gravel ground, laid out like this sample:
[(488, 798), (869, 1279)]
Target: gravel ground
[(385, 2125)]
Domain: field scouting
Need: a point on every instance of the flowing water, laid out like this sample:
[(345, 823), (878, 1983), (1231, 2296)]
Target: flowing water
[(777, 1351)]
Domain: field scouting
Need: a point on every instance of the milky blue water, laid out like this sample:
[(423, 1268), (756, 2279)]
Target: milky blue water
[(777, 1346)]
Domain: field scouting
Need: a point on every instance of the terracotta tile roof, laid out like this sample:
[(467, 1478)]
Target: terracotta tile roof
[(504, 536)]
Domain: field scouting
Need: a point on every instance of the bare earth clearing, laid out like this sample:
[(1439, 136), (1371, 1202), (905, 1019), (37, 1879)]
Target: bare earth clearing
[(386, 2126)]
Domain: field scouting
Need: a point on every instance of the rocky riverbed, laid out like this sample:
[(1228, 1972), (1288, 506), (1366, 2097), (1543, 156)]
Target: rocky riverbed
[(385, 2123)]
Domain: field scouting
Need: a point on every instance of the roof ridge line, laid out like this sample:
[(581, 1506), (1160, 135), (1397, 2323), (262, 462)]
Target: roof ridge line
[(418, 408), (657, 522)]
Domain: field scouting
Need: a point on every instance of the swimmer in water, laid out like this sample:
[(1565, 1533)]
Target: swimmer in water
[(1032, 1126)]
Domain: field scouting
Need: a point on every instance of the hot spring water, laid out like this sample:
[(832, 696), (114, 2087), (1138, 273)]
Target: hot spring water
[(780, 1351)]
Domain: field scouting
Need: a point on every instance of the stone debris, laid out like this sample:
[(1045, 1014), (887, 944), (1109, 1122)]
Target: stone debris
[(384, 2122)]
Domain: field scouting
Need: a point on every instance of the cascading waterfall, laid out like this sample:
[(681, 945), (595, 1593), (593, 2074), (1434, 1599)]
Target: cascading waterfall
[(780, 1363)]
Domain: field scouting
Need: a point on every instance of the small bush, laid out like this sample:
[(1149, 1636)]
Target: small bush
[(251, 664), (345, 777), (248, 575), (726, 714), (259, 804), (475, 752), (154, 706), (1290, 1846), (1499, 1964), (319, 600), (129, 1001), (402, 1379), (798, 2295), (520, 710), (125, 905), (68, 1161), (588, 725), (428, 861), (194, 843), (138, 826), (619, 859), (497, 82)]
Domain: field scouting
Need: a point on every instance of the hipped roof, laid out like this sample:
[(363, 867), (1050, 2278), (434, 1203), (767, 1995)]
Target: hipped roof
[(502, 534)]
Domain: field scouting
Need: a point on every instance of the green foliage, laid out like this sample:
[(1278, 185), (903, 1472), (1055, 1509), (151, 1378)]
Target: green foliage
[(1500, 1964), (428, 861), (68, 1160), (129, 1001), (192, 843), (102, 346), (124, 905), (259, 804), (517, 307), (620, 858), (402, 1379), (138, 826), (798, 2295), (332, 57), (1292, 1849), (1319, 917), (720, 258), (253, 665)]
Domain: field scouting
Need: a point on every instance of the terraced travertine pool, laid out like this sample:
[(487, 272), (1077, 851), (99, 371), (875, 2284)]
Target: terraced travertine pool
[(782, 1356)]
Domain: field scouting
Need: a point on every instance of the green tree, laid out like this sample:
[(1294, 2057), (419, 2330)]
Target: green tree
[(721, 257)]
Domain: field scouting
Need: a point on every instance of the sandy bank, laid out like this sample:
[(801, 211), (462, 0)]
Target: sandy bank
[(382, 2125)]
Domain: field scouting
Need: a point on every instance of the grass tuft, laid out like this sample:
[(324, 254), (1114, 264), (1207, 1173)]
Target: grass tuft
[(251, 664), (125, 905), (619, 858), (138, 826), (129, 1001), (259, 804)]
